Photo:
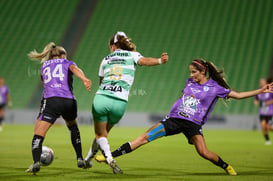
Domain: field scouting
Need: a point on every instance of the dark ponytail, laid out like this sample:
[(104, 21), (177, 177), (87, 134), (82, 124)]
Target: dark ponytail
[(212, 71), (217, 75)]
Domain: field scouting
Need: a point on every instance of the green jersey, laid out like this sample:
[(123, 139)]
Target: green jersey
[(118, 72)]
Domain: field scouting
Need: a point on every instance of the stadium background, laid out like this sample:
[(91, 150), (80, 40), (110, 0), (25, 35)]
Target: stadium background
[(235, 35)]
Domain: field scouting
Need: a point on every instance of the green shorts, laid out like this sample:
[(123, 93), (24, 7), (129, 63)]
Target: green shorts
[(108, 109)]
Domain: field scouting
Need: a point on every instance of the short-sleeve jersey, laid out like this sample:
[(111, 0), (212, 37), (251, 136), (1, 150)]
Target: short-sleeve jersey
[(197, 101), (4, 91), (118, 72), (265, 110), (57, 78)]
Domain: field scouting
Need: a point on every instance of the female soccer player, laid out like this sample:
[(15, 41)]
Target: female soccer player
[(192, 110), (5, 99), (58, 99), (265, 100), (116, 72)]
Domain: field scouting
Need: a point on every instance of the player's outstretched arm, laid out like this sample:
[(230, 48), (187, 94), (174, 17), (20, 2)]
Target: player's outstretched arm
[(242, 95), (79, 73), (149, 61)]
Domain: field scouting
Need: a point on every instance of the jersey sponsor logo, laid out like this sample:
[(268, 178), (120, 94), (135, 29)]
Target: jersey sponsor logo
[(183, 114), (116, 61), (121, 54), (195, 90), (113, 88), (48, 117)]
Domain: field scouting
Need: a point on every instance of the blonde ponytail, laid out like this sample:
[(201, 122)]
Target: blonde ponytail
[(50, 51)]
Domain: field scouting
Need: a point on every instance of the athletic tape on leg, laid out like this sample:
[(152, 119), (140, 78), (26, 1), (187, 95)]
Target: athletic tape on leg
[(156, 132)]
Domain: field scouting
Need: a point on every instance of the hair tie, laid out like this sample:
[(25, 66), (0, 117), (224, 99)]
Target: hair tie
[(200, 64), (120, 33)]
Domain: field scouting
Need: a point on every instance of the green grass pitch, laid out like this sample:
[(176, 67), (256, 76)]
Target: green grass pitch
[(169, 158)]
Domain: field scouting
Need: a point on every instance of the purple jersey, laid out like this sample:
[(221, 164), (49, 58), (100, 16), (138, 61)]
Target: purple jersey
[(264, 109), (4, 91), (197, 101), (57, 78)]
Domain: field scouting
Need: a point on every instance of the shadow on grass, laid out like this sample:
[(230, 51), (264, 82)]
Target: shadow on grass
[(255, 170), (57, 173), (137, 173)]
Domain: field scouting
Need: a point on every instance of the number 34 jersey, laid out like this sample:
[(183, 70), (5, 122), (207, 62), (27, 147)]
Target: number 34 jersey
[(118, 72), (57, 78)]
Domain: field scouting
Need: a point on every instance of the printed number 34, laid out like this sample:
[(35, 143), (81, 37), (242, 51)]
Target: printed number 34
[(56, 73)]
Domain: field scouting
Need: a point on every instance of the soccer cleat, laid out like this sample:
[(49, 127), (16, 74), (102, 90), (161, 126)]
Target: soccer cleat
[(34, 168), (88, 164), (230, 170), (268, 142), (100, 158), (115, 168), (80, 163)]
